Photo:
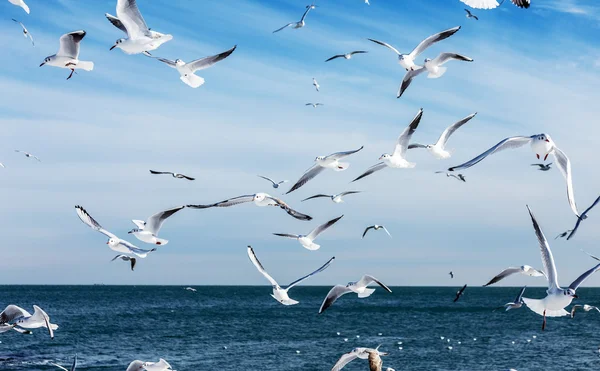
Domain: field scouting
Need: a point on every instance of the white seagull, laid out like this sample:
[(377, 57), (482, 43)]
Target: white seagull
[(279, 294), (397, 160), (113, 242), (542, 145), (491, 4), (438, 150), (26, 32), (432, 66), (273, 183), (525, 270), (259, 199), (331, 161), (298, 24), (582, 217), (316, 84), (359, 287), (147, 231), (186, 70), (191, 289), (335, 198), (22, 318), (73, 366), (314, 105), (471, 15), (361, 353), (585, 307), (407, 61), (161, 365), (557, 298), (517, 303), (375, 227), (347, 55), (140, 39), (126, 258), (20, 3), (307, 240), (27, 154), (174, 175), (68, 54)]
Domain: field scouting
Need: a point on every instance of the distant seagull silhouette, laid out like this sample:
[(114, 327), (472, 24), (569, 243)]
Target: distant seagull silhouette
[(460, 177), (335, 198), (126, 258), (73, 366), (564, 234), (471, 15), (459, 293), (359, 287), (582, 217), (314, 105), (190, 289), (438, 149), (585, 307), (273, 183), (28, 155), (25, 32), (451, 274), (524, 269), (298, 24), (174, 175), (517, 303), (347, 55), (316, 84), (307, 240), (543, 167), (375, 227)]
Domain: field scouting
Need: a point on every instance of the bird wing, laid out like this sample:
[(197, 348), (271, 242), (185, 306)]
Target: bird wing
[(433, 39), (160, 172), (12, 312), (507, 143), (74, 365), (121, 256), (91, 222), (155, 222), (366, 280), (344, 360), (505, 273), (583, 215), (564, 165), (69, 44), (522, 3), (575, 284), (404, 138), (226, 203), (187, 177), (296, 214), (481, 4), (116, 22), (445, 57), (547, 258), (358, 52), (333, 294), (468, 12), (386, 45), (315, 170), (334, 57), (168, 62), (130, 16), (348, 193), (202, 63), (288, 235), (519, 297), (417, 145), (459, 293), (386, 231), (287, 25), (142, 253), (259, 266), (441, 142), (320, 229), (321, 269), (39, 312), (366, 230), (265, 178), (59, 366), (371, 170), (407, 80), (341, 155), (316, 196)]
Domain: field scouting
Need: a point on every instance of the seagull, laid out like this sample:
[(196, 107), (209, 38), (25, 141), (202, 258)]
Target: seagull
[(186, 70), (20, 3), (191, 289), (127, 259), (451, 274), (68, 54), (316, 84), (367, 2), (113, 242), (397, 160), (299, 24), (432, 66), (542, 145), (147, 231), (4, 327), (175, 175), (582, 217), (359, 287), (407, 61), (140, 39), (375, 227), (524, 270), (517, 303), (460, 177), (274, 184), (307, 240), (460, 293), (362, 353), (543, 167), (161, 365), (73, 366), (27, 154), (259, 199), (279, 294), (564, 234), (585, 307), (438, 150), (335, 198), (331, 161), (25, 32), (471, 15), (24, 319), (347, 55), (491, 4), (314, 105), (557, 298)]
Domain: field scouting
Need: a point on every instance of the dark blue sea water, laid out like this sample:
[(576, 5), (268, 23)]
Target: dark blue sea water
[(109, 326)]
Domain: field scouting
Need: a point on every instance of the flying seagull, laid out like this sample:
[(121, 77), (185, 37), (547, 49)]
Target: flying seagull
[(299, 24), (563, 234), (460, 177), (331, 161), (585, 307), (582, 217), (451, 274), (186, 70), (175, 175), (27, 154), (26, 33), (22, 318), (20, 3), (259, 199), (307, 241), (335, 198), (113, 242), (190, 289), (279, 294), (316, 84), (438, 150), (274, 184), (543, 167), (347, 55), (557, 298), (73, 366), (147, 231), (361, 353), (375, 227), (359, 287), (471, 15), (407, 61), (140, 39), (459, 293), (432, 66), (524, 270), (68, 54), (491, 4), (126, 258), (161, 365), (314, 105), (517, 303), (396, 160), (542, 145)]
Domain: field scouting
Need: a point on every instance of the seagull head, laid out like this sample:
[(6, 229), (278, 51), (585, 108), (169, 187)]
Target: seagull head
[(385, 156), (179, 62), (112, 242), (543, 137), (319, 158), (46, 60), (427, 60), (570, 292), (259, 197), (134, 230), (117, 43)]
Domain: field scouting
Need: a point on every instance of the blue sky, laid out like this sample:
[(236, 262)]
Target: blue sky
[(97, 134)]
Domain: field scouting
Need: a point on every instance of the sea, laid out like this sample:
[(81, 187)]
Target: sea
[(243, 328)]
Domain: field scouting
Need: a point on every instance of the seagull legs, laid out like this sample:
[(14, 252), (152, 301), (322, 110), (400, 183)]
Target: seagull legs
[(544, 322), (72, 70)]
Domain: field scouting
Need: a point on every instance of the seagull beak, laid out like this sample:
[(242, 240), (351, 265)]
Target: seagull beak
[(380, 157), (43, 63), (112, 47), (575, 296), (107, 242), (548, 140)]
